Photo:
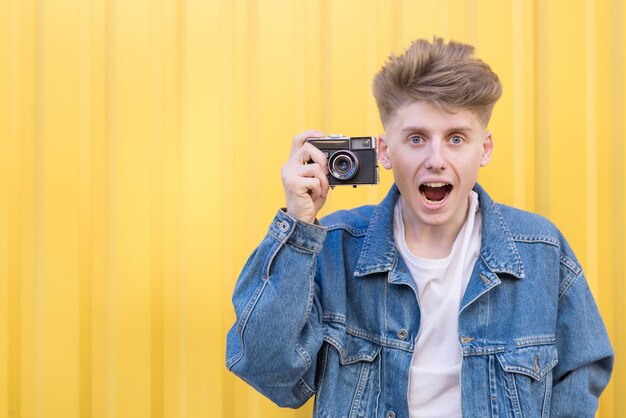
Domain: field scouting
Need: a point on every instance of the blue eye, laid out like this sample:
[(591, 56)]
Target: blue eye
[(456, 139), (415, 139)]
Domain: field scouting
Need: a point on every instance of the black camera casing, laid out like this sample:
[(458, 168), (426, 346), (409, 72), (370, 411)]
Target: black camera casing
[(351, 160)]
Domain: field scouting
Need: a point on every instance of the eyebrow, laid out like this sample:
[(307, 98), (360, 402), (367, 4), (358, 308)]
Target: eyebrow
[(461, 128)]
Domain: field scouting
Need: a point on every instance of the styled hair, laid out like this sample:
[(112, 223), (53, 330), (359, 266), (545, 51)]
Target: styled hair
[(445, 74)]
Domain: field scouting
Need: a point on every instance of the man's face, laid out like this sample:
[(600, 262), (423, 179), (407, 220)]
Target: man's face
[(435, 157)]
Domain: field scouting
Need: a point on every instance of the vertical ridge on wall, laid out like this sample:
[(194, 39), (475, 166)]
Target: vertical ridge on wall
[(204, 260), (227, 123), (95, 125), (202, 163), (590, 143), (252, 147), (605, 211), (13, 237), (33, 299), (158, 133), (397, 24), (86, 211), (541, 116), (213, 144), (170, 123), (299, 63), (327, 64), (498, 53), (518, 51), (108, 400), (133, 215), (6, 26), (618, 36)]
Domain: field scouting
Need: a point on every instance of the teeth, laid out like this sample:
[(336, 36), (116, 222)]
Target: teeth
[(436, 184)]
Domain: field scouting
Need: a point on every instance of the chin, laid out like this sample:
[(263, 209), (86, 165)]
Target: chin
[(435, 221)]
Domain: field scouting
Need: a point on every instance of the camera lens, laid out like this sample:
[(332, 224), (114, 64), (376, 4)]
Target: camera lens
[(343, 165)]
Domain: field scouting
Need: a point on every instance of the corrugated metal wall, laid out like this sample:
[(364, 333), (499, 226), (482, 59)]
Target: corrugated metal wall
[(140, 149)]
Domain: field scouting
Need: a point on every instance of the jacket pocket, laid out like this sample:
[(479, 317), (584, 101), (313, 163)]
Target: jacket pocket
[(526, 379), (348, 376)]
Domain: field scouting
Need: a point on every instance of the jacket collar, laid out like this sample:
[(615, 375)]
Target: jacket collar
[(379, 252), (497, 249)]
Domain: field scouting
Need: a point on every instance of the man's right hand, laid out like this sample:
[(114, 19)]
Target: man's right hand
[(304, 178)]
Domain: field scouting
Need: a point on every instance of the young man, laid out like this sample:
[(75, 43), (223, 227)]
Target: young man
[(438, 302)]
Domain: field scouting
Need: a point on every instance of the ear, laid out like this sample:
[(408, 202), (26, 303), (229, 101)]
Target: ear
[(383, 151), (487, 149)]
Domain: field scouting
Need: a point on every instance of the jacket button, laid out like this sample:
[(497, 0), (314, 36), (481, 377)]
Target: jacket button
[(390, 414), (402, 334), (283, 226)]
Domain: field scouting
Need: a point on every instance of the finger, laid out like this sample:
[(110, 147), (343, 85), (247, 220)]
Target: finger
[(302, 186), (300, 139), (312, 186), (309, 153), (293, 175), (325, 185), (313, 170), (320, 158), (319, 195)]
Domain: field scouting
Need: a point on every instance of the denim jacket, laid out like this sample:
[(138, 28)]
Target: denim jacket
[(332, 311)]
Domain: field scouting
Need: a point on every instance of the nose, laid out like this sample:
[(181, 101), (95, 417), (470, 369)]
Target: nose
[(435, 160)]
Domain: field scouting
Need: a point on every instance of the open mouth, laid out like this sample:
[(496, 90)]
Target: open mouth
[(435, 192)]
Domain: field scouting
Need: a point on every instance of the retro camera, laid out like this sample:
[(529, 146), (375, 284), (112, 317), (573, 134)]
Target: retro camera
[(351, 160)]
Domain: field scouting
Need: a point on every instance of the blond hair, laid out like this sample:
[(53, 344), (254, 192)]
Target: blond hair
[(445, 74)]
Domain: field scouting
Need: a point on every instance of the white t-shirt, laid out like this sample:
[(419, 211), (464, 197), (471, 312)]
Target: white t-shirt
[(435, 375)]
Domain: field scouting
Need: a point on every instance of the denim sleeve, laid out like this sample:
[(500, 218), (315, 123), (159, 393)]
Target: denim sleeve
[(585, 359), (274, 342)]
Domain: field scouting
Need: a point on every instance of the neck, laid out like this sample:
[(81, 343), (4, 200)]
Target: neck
[(431, 241)]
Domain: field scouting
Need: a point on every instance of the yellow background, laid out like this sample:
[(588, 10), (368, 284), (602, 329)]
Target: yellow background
[(140, 151)]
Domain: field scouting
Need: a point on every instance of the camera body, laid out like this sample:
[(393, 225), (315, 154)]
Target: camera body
[(351, 160)]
